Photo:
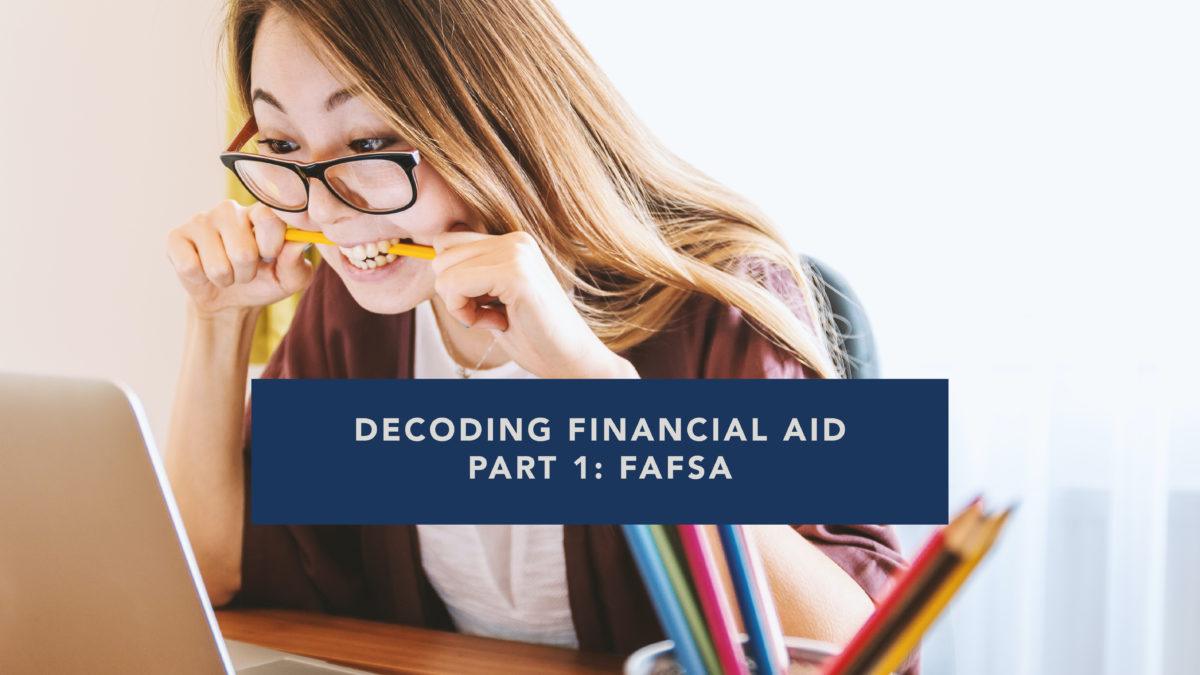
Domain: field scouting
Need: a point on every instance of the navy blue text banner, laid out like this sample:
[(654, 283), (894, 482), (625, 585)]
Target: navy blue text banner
[(599, 451)]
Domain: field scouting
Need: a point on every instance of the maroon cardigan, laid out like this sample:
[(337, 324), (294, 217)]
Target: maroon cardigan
[(375, 572)]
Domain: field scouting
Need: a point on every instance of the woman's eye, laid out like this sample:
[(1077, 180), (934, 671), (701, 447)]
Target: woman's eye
[(278, 147), (371, 144)]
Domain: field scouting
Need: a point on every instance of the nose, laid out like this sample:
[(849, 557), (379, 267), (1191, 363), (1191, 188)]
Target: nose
[(324, 208)]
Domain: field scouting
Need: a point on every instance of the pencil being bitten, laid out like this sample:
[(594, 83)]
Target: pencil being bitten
[(410, 250)]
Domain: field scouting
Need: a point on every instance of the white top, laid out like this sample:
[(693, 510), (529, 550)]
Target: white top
[(503, 581)]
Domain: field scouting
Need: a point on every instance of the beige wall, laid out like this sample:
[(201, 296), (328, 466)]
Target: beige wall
[(111, 120)]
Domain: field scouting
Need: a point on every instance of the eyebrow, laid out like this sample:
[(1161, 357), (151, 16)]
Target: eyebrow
[(335, 99), (260, 95), (338, 97)]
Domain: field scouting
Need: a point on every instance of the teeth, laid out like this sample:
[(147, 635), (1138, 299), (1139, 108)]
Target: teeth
[(370, 255)]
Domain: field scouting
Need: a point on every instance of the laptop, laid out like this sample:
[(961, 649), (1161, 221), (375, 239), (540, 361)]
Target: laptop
[(96, 573)]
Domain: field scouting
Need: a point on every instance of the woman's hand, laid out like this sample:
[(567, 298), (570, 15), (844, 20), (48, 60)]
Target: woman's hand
[(537, 325), (234, 257)]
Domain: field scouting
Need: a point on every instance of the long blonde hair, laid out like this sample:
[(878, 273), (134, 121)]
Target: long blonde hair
[(504, 102)]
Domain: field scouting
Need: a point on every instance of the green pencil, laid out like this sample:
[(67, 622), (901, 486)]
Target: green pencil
[(687, 598)]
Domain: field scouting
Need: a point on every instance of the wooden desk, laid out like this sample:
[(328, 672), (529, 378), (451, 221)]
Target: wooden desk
[(390, 648)]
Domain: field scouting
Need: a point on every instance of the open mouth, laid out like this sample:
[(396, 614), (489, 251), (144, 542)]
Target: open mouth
[(372, 255)]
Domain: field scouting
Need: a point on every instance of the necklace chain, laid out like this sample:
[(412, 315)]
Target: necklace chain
[(466, 373), (463, 371)]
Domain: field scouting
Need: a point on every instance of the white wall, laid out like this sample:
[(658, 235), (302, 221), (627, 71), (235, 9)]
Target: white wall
[(111, 123), (1008, 181)]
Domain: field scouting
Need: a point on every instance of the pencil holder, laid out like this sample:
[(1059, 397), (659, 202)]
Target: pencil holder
[(658, 658)]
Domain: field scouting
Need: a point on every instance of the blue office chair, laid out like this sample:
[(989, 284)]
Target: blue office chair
[(853, 327)]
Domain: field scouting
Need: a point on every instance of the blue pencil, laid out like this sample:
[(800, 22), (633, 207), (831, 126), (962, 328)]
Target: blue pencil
[(754, 599), (666, 605)]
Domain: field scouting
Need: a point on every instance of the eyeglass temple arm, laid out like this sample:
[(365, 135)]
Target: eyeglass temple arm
[(250, 128)]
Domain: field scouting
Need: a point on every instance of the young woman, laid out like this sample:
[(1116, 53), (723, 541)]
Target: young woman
[(569, 243)]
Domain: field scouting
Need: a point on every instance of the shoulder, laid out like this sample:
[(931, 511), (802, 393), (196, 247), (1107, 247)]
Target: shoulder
[(710, 339)]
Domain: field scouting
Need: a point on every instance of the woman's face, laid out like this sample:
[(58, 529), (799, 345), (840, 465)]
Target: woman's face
[(304, 114)]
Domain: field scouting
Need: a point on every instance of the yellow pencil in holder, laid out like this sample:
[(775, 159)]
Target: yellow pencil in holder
[(410, 250)]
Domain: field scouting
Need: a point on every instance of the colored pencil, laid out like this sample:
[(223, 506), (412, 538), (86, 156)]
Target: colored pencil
[(974, 549), (774, 631), (687, 599), (410, 250), (754, 599), (867, 642), (707, 578), (666, 605), (942, 568)]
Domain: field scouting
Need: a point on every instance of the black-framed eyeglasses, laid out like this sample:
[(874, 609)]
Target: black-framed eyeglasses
[(377, 182)]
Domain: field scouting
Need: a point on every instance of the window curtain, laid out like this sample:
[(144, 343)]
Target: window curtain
[(1099, 569)]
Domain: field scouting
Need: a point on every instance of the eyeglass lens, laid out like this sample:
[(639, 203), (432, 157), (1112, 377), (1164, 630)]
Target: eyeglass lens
[(271, 184), (366, 184)]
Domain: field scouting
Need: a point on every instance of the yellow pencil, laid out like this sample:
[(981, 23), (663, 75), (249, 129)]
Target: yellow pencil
[(976, 548), (410, 250)]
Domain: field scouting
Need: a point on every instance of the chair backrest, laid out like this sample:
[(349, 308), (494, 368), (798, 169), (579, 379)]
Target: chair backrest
[(862, 361)]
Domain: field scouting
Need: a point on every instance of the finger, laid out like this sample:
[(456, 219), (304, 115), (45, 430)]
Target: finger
[(212, 256), (240, 245), (493, 317), (460, 287), (269, 229), (481, 251), (186, 260), (292, 269), (457, 237)]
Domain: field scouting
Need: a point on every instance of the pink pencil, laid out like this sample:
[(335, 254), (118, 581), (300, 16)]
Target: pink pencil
[(713, 600)]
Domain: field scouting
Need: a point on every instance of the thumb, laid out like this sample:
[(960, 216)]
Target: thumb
[(293, 270)]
